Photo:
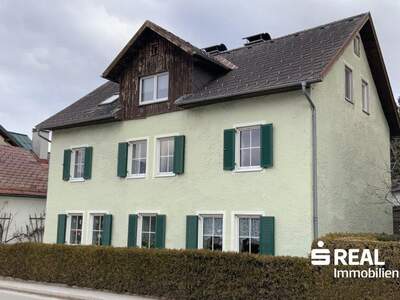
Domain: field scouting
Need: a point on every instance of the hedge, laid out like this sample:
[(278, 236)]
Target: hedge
[(359, 288), (173, 274), (200, 274)]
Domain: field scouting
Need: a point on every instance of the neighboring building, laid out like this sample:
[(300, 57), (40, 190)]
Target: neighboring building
[(23, 188), (213, 148)]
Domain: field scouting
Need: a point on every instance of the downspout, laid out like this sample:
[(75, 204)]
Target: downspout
[(314, 158)]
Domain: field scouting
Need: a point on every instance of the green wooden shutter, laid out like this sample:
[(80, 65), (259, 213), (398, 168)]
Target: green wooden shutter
[(179, 154), (267, 148), (132, 230), (107, 230), (67, 164), (229, 149), (192, 227), (87, 172), (160, 231), (267, 235), (61, 226), (122, 159)]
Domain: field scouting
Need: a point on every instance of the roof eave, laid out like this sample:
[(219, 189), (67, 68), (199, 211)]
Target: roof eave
[(79, 124)]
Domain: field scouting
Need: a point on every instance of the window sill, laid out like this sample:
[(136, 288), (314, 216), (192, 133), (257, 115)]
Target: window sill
[(136, 176), (152, 101), (243, 170), (77, 180), (165, 175)]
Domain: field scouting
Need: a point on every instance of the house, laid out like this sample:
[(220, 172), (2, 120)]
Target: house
[(257, 149), (23, 188)]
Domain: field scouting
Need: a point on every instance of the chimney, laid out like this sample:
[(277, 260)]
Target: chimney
[(215, 49), (257, 38), (40, 145)]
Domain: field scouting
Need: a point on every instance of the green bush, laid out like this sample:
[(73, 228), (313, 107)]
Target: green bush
[(327, 287), (177, 274)]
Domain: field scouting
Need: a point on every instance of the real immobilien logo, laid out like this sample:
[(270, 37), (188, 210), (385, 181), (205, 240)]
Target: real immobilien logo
[(352, 257)]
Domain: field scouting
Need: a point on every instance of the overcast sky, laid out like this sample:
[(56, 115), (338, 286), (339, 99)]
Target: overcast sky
[(53, 52)]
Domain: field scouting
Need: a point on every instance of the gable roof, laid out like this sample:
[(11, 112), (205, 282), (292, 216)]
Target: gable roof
[(112, 70), (276, 65), (23, 140), (86, 110), (22, 173), (8, 137)]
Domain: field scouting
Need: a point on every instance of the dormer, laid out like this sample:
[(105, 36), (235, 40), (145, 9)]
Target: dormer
[(156, 67)]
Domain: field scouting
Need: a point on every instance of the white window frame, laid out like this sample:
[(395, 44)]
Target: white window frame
[(155, 83), (68, 227), (365, 102), (238, 128), (72, 178), (129, 166), (201, 215), (351, 99), (235, 225), (140, 224), (90, 227), (157, 139), (357, 46)]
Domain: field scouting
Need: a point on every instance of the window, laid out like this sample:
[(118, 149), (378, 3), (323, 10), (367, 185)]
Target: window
[(165, 156), (138, 158), (357, 45), (78, 163), (97, 229), (75, 231), (154, 88), (348, 84), (248, 147), (147, 231), (212, 232), (249, 234), (365, 96)]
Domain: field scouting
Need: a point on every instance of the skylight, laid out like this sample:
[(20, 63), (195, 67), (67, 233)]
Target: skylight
[(109, 100)]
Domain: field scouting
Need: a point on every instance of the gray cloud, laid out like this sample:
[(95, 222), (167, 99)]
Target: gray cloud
[(53, 52)]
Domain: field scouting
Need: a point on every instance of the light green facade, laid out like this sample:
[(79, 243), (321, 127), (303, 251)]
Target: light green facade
[(352, 151), (283, 191)]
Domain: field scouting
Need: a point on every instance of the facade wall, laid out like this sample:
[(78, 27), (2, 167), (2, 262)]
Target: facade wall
[(353, 152), (283, 191), (20, 208)]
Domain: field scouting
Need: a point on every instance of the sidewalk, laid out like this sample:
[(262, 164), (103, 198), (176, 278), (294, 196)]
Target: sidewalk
[(60, 291)]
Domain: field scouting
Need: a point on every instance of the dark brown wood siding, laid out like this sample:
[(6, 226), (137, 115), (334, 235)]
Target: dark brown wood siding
[(144, 62)]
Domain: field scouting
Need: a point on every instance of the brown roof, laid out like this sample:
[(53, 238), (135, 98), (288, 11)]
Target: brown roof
[(276, 65), (22, 173)]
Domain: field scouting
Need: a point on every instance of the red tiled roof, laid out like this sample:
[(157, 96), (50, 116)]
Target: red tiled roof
[(22, 172)]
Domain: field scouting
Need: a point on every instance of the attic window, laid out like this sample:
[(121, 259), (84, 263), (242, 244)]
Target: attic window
[(154, 88), (154, 49), (109, 100), (357, 46)]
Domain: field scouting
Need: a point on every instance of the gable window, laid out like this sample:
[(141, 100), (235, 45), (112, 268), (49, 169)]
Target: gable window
[(78, 163), (138, 158), (75, 229), (211, 232), (147, 231), (154, 88), (357, 45), (248, 146), (165, 156), (249, 234), (365, 96), (97, 229), (348, 84)]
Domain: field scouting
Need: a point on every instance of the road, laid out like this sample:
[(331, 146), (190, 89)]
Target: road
[(10, 295)]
